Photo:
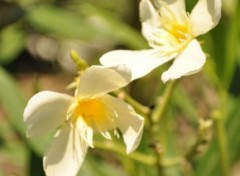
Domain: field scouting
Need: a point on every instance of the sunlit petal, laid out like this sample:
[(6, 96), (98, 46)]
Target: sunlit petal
[(177, 7), (45, 111), (140, 62), (149, 17), (148, 13), (65, 155), (190, 61), (85, 132), (128, 121), (205, 16), (98, 80)]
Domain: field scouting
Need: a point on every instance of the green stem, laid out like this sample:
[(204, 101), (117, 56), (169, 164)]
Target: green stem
[(222, 144), (193, 151), (205, 126), (156, 115), (113, 147), (140, 157), (139, 107), (159, 165), (162, 104), (219, 117)]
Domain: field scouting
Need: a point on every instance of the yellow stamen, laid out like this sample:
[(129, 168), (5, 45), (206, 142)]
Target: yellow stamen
[(173, 34), (180, 30), (94, 113)]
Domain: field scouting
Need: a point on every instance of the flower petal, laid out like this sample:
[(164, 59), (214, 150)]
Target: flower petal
[(177, 7), (205, 16), (149, 17), (190, 61), (148, 13), (140, 62), (128, 121), (45, 111), (66, 154), (98, 80), (85, 132)]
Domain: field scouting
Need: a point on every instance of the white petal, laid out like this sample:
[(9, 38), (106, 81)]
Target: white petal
[(65, 155), (177, 7), (45, 111), (98, 80), (128, 121), (140, 62), (149, 17), (85, 132), (148, 13), (205, 16), (147, 8), (190, 61)]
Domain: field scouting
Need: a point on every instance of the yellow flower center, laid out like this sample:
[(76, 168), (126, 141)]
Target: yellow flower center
[(173, 33), (94, 113), (181, 32)]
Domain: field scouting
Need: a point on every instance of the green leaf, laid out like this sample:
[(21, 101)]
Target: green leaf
[(232, 41), (13, 104), (69, 24), (181, 99), (12, 100), (10, 149), (59, 21), (12, 43), (115, 28)]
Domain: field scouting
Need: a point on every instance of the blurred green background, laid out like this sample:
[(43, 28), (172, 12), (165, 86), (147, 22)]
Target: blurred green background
[(36, 37)]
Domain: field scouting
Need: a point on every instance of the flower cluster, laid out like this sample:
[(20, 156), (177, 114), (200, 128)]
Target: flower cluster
[(171, 33)]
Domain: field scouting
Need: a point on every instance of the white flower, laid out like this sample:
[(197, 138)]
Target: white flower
[(170, 32), (90, 110)]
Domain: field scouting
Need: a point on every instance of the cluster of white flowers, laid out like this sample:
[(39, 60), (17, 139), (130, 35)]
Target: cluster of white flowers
[(171, 33)]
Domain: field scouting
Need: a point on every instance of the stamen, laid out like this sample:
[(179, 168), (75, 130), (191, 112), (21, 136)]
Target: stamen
[(116, 133), (173, 33), (107, 135), (94, 113)]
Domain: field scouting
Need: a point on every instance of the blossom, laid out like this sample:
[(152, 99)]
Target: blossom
[(171, 33), (90, 111)]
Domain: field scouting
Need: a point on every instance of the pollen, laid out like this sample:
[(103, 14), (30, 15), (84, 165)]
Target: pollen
[(94, 113), (178, 30)]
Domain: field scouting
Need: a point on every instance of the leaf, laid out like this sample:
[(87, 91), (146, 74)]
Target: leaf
[(114, 27), (10, 149), (60, 22), (232, 41), (182, 100), (14, 103), (12, 43), (69, 24), (12, 100)]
